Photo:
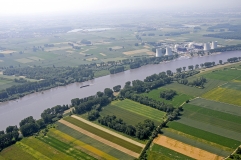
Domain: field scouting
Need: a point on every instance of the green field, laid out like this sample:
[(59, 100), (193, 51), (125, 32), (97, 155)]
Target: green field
[(104, 135), (65, 148), (44, 149), (233, 85), (143, 110), (197, 142), (193, 91), (176, 101), (92, 142), (220, 119), (217, 106), (12, 151), (224, 95), (128, 117), (208, 136), (157, 152), (225, 75)]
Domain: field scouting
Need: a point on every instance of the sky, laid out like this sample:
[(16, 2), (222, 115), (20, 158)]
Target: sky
[(16, 7)]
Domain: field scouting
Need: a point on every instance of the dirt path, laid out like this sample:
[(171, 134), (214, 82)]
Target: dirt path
[(185, 149), (102, 140), (109, 131)]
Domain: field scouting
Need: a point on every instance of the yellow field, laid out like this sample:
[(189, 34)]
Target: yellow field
[(7, 52), (185, 149), (61, 135), (117, 47), (224, 95), (102, 54), (136, 51)]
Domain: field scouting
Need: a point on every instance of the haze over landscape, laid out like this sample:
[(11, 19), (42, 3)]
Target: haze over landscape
[(128, 79)]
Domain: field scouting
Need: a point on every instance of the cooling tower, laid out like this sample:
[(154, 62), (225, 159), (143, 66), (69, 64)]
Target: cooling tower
[(206, 47), (214, 45), (168, 51), (159, 52)]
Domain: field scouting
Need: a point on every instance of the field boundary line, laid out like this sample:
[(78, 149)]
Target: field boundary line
[(108, 131), (100, 139)]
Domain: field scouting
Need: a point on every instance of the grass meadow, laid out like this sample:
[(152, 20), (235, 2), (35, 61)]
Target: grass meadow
[(143, 110), (104, 135)]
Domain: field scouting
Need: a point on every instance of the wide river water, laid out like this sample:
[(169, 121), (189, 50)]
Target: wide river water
[(12, 112)]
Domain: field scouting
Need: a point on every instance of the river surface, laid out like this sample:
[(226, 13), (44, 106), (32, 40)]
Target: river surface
[(12, 112)]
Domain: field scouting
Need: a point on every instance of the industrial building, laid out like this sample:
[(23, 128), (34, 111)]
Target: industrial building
[(168, 51), (214, 45), (159, 52), (206, 47)]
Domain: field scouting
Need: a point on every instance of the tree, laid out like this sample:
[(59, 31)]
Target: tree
[(220, 62), (184, 68), (110, 49), (108, 92), (179, 70), (169, 72), (136, 44), (117, 88), (197, 66), (213, 63), (100, 94), (190, 67)]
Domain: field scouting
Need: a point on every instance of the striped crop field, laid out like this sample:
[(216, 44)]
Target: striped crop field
[(128, 116), (40, 149), (176, 101), (12, 151), (217, 106), (202, 134), (143, 110), (197, 142), (233, 85), (78, 144), (224, 95), (105, 135), (158, 152), (89, 143), (185, 149), (220, 119), (65, 148)]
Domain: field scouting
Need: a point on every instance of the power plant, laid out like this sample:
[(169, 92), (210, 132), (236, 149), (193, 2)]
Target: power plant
[(168, 51), (206, 47), (159, 52), (214, 45)]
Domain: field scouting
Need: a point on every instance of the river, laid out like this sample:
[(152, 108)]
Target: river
[(12, 112)]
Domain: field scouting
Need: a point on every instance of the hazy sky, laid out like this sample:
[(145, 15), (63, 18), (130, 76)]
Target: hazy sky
[(48, 6)]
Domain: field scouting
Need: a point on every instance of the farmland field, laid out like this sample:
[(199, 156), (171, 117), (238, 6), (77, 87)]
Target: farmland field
[(12, 151), (193, 91), (92, 142), (185, 149), (197, 142), (220, 119), (128, 116), (176, 101), (206, 135), (233, 85), (148, 112), (224, 95), (44, 149), (65, 148), (157, 152), (78, 144), (217, 106), (225, 75), (104, 135)]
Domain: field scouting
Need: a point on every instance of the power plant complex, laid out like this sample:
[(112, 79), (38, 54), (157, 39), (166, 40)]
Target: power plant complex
[(183, 48)]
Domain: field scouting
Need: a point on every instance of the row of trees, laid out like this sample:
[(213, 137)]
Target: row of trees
[(141, 130), (117, 69), (168, 94), (9, 137)]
